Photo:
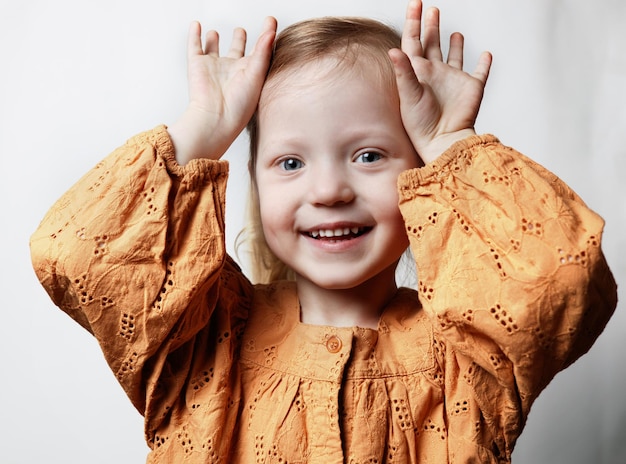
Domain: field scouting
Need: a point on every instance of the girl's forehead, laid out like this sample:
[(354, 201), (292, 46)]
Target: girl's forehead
[(321, 70), (324, 72), (337, 104)]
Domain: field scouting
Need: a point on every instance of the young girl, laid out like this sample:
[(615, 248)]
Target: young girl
[(326, 360)]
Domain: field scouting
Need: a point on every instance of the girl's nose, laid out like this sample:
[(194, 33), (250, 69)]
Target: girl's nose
[(330, 187)]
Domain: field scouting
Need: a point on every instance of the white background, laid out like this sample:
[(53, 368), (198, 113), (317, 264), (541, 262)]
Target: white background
[(77, 78)]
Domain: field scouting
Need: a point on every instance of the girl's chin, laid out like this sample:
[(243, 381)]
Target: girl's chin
[(343, 281)]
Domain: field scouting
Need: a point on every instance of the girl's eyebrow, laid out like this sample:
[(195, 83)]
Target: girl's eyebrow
[(362, 137), (281, 144)]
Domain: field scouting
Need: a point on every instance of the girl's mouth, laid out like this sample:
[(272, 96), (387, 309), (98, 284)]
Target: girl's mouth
[(343, 233)]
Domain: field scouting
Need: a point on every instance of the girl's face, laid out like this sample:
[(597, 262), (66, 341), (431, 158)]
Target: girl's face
[(331, 145)]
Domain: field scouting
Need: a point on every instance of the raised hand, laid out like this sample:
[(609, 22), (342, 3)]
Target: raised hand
[(439, 102), (223, 91)]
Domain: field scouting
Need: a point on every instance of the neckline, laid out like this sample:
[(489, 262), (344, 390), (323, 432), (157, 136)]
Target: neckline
[(401, 306)]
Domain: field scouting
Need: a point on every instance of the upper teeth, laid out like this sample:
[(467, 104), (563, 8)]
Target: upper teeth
[(334, 232)]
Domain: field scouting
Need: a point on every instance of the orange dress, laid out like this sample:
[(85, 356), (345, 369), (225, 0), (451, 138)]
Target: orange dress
[(513, 287)]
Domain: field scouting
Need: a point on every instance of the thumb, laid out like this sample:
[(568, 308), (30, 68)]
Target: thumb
[(409, 88), (262, 51)]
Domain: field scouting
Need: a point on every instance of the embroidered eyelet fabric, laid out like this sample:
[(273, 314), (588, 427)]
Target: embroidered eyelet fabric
[(513, 287)]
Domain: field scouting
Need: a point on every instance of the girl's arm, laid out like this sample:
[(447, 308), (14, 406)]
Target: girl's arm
[(135, 250), (509, 260), (130, 248), (223, 91), (511, 272), (439, 102)]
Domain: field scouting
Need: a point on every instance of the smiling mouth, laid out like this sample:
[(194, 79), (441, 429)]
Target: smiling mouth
[(345, 233)]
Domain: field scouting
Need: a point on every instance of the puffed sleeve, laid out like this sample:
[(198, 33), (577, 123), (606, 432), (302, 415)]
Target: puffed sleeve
[(133, 252), (510, 270)]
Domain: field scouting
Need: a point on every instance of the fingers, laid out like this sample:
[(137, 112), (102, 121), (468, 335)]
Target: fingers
[(212, 43), (238, 44), (414, 42), (194, 44), (262, 52), (455, 54), (411, 44), (481, 72), (430, 41), (421, 38)]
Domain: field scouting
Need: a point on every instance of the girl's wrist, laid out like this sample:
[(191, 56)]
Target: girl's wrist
[(438, 145), (195, 135)]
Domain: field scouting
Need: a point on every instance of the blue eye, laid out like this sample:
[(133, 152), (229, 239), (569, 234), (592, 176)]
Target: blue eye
[(291, 164), (368, 157)]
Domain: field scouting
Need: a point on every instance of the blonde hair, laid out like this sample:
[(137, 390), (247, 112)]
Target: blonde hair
[(347, 39)]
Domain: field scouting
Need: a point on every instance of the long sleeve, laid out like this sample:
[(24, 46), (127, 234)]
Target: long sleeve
[(133, 252), (511, 272)]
